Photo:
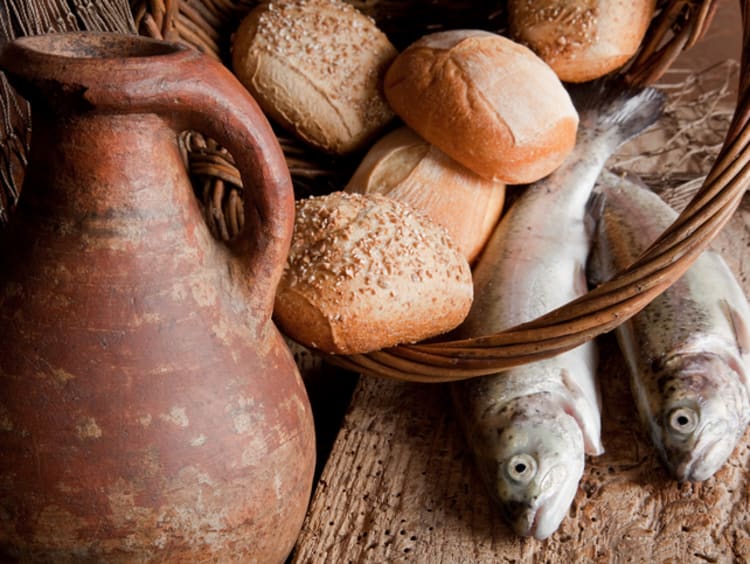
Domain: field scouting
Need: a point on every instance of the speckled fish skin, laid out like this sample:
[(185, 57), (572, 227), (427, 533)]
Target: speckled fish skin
[(531, 426), (687, 351)]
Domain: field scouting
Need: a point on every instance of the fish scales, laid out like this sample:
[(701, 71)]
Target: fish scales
[(687, 351), (530, 427)]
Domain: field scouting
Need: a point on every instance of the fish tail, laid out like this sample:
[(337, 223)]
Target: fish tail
[(612, 107)]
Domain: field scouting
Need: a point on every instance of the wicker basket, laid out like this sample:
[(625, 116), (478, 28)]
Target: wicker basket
[(678, 24)]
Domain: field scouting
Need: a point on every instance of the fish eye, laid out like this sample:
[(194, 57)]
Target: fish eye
[(521, 468), (683, 420)]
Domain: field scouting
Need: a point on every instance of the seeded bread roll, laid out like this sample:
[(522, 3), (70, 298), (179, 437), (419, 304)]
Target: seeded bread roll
[(581, 39), (365, 273), (316, 68), (405, 167), (486, 101)]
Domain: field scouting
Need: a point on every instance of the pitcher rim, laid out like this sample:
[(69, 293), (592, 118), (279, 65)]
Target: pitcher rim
[(87, 49)]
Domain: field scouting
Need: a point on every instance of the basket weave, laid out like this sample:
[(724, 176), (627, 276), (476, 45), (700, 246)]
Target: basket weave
[(678, 24)]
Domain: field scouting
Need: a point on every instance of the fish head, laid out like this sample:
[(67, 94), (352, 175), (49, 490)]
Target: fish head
[(538, 464), (702, 414)]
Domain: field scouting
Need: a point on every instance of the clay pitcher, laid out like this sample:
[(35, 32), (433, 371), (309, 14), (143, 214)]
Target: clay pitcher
[(149, 409)]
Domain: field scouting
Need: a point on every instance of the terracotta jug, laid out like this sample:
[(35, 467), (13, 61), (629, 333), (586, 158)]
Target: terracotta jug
[(149, 409)]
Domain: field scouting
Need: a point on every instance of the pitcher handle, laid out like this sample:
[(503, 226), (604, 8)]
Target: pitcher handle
[(198, 93)]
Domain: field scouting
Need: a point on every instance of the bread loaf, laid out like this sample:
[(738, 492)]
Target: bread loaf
[(486, 101), (316, 68), (365, 273), (407, 168), (581, 39)]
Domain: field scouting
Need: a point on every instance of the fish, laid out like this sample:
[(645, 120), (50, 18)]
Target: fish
[(687, 351), (530, 427)]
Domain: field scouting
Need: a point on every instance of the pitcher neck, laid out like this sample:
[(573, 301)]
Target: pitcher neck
[(103, 163)]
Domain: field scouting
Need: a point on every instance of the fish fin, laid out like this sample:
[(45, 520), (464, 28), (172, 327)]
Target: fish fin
[(611, 105), (739, 326), (594, 268), (570, 384), (592, 444), (595, 206), (594, 212), (580, 284)]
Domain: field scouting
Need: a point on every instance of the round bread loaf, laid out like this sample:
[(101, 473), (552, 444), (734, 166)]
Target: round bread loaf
[(581, 39), (488, 102), (405, 167), (316, 68), (367, 272)]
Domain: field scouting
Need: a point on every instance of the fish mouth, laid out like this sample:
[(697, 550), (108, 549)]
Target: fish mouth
[(538, 528), (542, 519), (526, 522), (705, 462), (547, 504), (535, 522)]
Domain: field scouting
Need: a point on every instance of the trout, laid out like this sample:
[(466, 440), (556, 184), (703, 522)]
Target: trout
[(687, 351), (530, 427)]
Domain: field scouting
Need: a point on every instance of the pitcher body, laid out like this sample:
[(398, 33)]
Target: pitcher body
[(149, 409)]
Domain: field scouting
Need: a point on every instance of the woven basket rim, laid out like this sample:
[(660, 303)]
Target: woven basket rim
[(678, 25)]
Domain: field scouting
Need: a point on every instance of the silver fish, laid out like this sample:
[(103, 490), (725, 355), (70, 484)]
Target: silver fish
[(687, 351), (530, 427)]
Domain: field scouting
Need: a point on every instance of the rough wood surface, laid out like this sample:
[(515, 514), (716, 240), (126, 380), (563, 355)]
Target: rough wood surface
[(400, 486)]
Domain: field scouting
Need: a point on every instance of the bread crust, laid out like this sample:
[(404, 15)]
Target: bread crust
[(581, 39), (403, 166), (316, 68), (366, 273), (486, 101)]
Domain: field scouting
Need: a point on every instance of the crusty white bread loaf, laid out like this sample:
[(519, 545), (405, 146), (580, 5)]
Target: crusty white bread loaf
[(316, 68), (405, 167), (488, 102), (367, 272), (581, 39)]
